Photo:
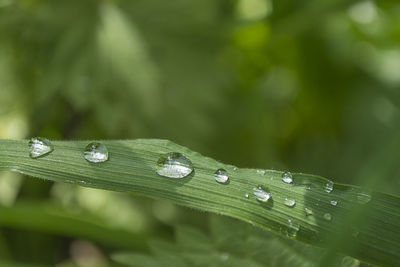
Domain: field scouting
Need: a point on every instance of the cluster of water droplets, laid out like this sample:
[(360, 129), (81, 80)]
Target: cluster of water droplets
[(329, 186), (177, 165), (93, 152)]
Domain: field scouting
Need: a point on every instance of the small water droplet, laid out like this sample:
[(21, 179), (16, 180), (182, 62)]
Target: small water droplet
[(235, 169), (287, 177), (329, 186), (246, 195), (293, 228), (39, 146), (261, 172), (308, 187), (308, 211), (96, 152), (327, 216), (221, 176), (334, 202), (260, 194), (363, 197), (289, 202), (174, 165)]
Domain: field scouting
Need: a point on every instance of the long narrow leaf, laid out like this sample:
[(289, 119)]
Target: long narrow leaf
[(131, 168)]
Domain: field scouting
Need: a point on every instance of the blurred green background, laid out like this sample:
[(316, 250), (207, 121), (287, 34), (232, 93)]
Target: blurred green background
[(291, 85)]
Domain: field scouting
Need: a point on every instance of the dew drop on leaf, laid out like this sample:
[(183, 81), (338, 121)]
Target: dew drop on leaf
[(39, 146), (260, 194), (363, 197), (287, 177), (329, 186), (221, 176), (246, 195), (174, 165), (334, 202), (289, 202), (95, 152), (308, 211), (291, 229)]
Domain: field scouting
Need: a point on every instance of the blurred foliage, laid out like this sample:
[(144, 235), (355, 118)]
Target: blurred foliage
[(311, 87), (248, 246)]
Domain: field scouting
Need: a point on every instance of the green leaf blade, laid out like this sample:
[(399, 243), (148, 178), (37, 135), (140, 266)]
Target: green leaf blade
[(131, 168)]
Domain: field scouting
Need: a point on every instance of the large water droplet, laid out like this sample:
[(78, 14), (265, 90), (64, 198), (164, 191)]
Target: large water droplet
[(363, 197), (260, 194), (329, 186), (334, 202), (289, 202), (221, 176), (308, 211), (327, 216), (95, 152), (39, 146), (174, 165), (287, 177)]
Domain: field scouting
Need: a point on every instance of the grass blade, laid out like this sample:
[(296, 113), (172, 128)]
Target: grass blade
[(131, 168)]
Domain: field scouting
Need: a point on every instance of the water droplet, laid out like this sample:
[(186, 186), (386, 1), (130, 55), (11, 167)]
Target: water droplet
[(329, 186), (235, 169), (261, 172), (95, 152), (39, 146), (260, 194), (221, 176), (308, 211), (289, 202), (327, 216), (287, 177), (174, 165), (292, 229), (246, 195), (334, 202), (363, 197)]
